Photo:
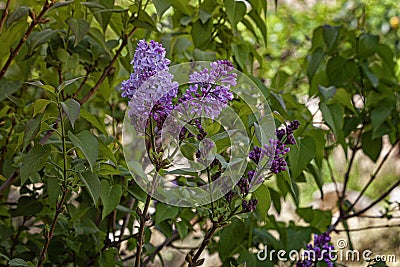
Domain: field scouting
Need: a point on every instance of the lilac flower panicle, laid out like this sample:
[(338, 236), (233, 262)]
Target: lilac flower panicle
[(209, 92), (150, 87), (229, 196), (277, 148), (249, 206), (149, 59), (244, 186), (151, 100), (319, 252)]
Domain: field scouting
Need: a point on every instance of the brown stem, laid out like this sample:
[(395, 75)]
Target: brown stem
[(204, 244), (346, 180), (373, 176), (35, 21), (166, 243), (387, 192), (126, 219), (332, 175), (81, 85), (49, 235), (108, 69), (369, 227), (140, 238), (9, 182), (4, 15)]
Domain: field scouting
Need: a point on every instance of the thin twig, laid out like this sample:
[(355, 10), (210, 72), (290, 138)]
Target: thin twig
[(60, 204), (8, 183), (368, 227), (206, 241), (4, 15), (140, 238), (125, 220), (49, 235), (166, 243), (373, 176), (332, 175), (81, 85), (107, 70), (35, 21), (383, 196), (346, 178)]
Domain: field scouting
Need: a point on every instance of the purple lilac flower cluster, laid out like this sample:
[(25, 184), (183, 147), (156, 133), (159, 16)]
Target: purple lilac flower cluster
[(275, 150), (149, 59), (149, 95), (320, 252), (209, 92)]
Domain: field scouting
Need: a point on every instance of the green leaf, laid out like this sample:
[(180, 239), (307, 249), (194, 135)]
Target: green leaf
[(79, 27), (4, 256), (31, 129), (331, 36), (340, 70), (165, 212), (18, 262), (333, 116), (264, 200), (161, 6), (38, 38), (301, 154), (17, 14), (261, 24), (235, 11), (64, 84), (8, 88), (72, 108), (241, 53), (318, 219), (92, 185), (34, 161), (182, 6), (370, 75), (371, 147), (314, 60), (230, 238), (316, 173), (110, 197), (46, 87), (88, 145), (367, 45), (379, 115), (344, 98), (61, 4), (93, 120), (182, 229), (40, 106), (201, 33), (279, 80), (27, 206), (105, 151), (327, 92)]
